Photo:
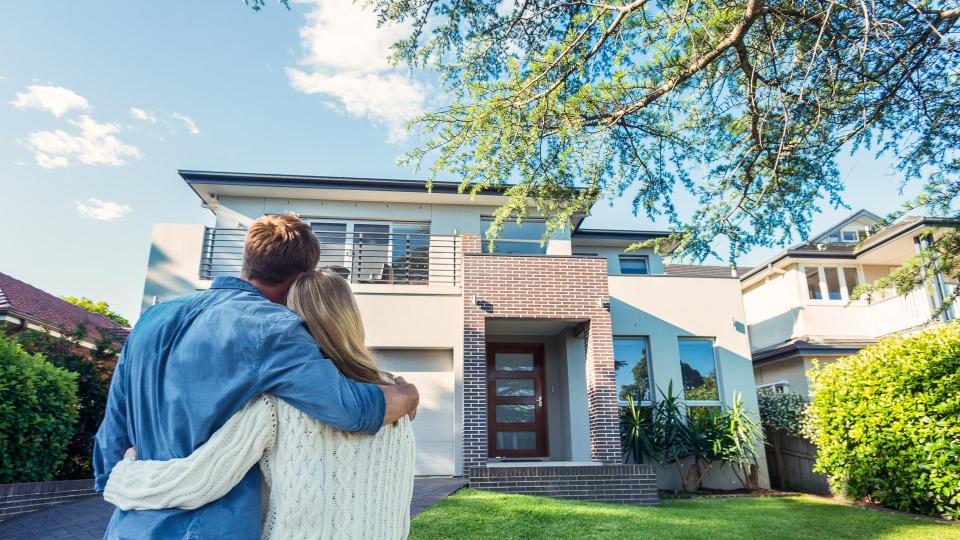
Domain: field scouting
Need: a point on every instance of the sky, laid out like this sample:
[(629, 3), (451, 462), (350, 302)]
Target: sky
[(101, 103)]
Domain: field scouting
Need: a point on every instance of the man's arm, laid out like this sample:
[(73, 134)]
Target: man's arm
[(112, 439), (292, 367)]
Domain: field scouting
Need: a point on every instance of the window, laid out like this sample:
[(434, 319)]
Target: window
[(523, 238), (813, 282), (831, 282), (698, 368), (375, 252), (634, 264), (631, 359), (850, 235)]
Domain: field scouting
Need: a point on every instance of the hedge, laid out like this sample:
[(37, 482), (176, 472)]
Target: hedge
[(886, 422), (38, 409)]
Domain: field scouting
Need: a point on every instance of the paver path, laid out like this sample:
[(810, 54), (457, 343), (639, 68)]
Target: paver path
[(87, 519)]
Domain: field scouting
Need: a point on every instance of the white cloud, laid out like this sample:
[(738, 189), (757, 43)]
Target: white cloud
[(56, 100), (345, 57), (96, 144), (187, 121), (101, 210), (143, 115)]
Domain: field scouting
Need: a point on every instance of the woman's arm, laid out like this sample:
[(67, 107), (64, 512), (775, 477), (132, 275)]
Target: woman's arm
[(207, 474)]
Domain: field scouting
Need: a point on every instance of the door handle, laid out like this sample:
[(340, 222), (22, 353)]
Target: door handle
[(539, 401)]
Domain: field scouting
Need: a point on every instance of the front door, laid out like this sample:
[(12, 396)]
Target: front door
[(516, 416)]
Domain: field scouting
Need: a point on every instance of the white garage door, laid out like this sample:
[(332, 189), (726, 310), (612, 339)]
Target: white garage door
[(432, 372)]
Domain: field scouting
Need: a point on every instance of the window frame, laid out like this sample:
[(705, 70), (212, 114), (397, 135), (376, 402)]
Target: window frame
[(844, 232), (631, 256), (842, 270), (650, 382), (485, 243), (716, 365)]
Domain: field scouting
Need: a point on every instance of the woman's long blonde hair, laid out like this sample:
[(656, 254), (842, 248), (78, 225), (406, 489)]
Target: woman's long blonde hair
[(326, 303)]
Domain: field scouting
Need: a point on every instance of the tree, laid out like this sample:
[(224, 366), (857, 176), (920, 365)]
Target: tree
[(744, 104), (100, 308)]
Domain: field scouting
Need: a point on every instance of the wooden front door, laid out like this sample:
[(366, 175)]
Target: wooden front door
[(516, 413)]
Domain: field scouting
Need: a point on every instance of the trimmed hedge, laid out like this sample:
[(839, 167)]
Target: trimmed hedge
[(38, 409), (886, 422)]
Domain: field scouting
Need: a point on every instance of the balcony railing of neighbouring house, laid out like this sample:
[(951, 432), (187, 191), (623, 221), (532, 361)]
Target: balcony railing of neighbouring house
[(399, 258)]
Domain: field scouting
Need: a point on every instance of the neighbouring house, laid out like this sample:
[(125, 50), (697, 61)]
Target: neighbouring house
[(23, 306), (798, 303), (521, 354)]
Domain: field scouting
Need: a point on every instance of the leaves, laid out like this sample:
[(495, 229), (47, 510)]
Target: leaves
[(886, 422)]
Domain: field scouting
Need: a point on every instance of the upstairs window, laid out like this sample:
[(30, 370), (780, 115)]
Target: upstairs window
[(517, 238), (634, 264), (698, 369), (849, 235), (831, 282)]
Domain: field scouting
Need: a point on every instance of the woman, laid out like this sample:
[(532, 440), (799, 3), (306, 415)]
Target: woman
[(323, 483)]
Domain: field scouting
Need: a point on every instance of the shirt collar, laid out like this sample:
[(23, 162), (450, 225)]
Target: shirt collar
[(230, 282)]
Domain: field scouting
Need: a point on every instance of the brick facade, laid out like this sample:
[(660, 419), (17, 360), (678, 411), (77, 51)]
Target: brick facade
[(537, 287), (631, 484), (17, 499)]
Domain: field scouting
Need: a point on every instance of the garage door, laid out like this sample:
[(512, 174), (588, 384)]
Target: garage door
[(432, 372)]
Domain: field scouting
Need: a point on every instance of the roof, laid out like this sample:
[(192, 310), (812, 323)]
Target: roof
[(851, 250), (863, 212), (700, 270), (811, 346), (328, 182), (26, 302)]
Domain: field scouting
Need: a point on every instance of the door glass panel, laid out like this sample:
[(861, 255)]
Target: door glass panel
[(813, 282), (333, 246), (515, 387), (371, 252), (516, 440), (833, 282), (514, 362), (515, 414)]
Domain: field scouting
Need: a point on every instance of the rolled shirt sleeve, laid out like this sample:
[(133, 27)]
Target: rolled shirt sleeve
[(292, 368)]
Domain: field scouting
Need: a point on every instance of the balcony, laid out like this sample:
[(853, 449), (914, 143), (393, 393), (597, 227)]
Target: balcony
[(360, 257)]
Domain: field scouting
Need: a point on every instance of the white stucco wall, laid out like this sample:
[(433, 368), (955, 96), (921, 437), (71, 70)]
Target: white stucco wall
[(666, 308)]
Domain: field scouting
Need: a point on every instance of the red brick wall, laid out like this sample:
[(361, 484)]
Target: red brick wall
[(537, 287)]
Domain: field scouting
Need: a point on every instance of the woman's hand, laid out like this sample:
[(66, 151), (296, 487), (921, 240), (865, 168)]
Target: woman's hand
[(130, 453)]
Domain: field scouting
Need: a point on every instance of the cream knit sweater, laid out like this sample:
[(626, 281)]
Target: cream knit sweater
[(323, 483)]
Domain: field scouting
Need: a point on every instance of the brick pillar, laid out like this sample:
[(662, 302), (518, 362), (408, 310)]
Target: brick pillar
[(474, 398), (602, 391)]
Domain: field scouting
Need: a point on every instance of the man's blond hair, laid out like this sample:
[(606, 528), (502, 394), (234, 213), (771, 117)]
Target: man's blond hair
[(278, 248)]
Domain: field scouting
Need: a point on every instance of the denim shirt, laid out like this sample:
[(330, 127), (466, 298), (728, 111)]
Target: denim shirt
[(188, 366)]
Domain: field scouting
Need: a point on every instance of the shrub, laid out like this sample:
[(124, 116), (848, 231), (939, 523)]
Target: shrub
[(93, 367), (782, 411), (886, 422), (38, 408)]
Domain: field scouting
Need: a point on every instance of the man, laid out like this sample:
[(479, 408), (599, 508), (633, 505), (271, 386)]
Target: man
[(192, 362)]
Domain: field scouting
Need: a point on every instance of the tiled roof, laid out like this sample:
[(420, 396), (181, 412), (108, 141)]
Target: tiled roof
[(699, 270), (24, 301)]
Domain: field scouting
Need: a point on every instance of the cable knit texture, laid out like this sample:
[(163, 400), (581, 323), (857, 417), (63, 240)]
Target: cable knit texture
[(323, 483)]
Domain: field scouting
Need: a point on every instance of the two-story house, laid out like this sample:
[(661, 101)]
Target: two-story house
[(798, 304), (521, 354)]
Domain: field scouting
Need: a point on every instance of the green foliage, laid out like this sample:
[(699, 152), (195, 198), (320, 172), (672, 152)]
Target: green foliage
[(100, 308), (783, 411), (743, 106), (671, 433), (93, 368), (38, 409), (886, 422)]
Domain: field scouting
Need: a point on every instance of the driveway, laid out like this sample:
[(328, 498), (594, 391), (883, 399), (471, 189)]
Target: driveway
[(87, 519)]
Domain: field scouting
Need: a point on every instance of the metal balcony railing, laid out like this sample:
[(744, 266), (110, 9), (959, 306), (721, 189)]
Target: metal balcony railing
[(360, 257)]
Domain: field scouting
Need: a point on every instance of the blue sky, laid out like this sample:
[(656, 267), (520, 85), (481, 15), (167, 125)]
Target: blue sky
[(101, 103)]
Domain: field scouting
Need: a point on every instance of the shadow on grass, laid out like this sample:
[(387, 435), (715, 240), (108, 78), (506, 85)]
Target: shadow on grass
[(478, 514)]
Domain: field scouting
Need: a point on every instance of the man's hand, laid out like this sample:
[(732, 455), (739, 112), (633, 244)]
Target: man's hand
[(402, 399)]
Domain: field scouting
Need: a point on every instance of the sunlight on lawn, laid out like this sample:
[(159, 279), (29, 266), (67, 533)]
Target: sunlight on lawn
[(478, 514)]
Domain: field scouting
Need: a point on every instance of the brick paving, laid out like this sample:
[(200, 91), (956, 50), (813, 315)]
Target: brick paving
[(87, 519)]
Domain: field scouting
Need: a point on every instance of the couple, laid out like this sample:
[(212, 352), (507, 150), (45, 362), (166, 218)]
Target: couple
[(211, 384)]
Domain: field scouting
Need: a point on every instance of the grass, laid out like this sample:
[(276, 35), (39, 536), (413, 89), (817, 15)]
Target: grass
[(481, 514)]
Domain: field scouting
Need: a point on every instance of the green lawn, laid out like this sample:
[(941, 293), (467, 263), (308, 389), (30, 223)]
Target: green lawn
[(480, 514)]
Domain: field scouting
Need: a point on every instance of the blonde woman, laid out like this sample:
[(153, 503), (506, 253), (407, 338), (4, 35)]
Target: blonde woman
[(322, 483)]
